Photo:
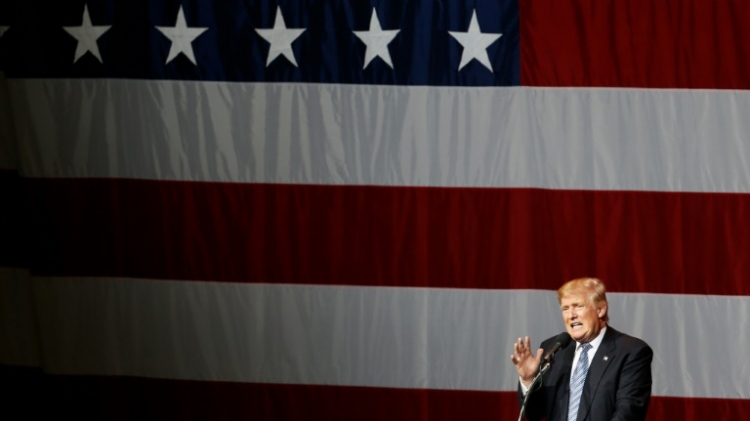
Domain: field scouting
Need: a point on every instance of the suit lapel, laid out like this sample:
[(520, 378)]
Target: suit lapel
[(604, 355)]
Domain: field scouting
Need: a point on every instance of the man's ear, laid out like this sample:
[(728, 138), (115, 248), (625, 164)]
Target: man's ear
[(602, 310)]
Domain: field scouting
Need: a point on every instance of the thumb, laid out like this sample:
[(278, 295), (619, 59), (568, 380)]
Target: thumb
[(539, 353)]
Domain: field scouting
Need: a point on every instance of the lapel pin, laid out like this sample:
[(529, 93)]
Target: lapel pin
[(606, 358)]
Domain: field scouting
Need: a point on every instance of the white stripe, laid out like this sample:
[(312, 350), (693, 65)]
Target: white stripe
[(558, 138), (365, 336), (19, 334)]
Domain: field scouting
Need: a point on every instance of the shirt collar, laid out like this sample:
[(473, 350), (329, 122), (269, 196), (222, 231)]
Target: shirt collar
[(596, 341)]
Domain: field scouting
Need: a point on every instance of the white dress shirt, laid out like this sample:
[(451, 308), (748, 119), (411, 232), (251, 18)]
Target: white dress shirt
[(592, 351)]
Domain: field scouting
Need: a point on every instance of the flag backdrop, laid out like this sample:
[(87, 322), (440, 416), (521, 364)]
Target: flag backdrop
[(350, 209)]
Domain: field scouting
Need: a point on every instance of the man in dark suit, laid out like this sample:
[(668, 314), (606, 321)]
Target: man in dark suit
[(602, 374)]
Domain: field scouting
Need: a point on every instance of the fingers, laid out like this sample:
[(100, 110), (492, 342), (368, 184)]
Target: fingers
[(521, 349), (523, 345), (523, 342), (523, 358)]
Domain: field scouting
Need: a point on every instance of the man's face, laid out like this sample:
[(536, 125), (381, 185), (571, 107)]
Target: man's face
[(582, 320)]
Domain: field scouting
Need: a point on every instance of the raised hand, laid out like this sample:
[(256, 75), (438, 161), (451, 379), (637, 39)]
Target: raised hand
[(526, 363)]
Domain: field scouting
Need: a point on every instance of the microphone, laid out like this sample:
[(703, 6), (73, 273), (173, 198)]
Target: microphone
[(561, 341)]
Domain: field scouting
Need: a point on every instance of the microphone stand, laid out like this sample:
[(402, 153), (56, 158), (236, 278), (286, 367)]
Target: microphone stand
[(537, 379)]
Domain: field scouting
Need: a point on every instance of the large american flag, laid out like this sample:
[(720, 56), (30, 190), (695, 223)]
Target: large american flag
[(348, 209)]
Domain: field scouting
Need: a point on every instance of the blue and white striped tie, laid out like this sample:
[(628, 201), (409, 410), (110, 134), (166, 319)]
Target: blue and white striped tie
[(576, 382)]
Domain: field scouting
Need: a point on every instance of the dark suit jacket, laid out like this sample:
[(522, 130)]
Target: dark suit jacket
[(617, 387)]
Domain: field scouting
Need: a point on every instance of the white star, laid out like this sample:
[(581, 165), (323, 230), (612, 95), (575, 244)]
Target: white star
[(86, 35), (475, 43), (3, 29), (281, 39), (182, 37), (376, 41)]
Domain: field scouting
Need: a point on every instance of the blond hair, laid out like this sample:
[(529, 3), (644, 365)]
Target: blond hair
[(592, 288)]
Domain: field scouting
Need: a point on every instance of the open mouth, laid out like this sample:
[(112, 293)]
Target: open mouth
[(576, 325)]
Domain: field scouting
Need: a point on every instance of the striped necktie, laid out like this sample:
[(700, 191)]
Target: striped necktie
[(577, 380)]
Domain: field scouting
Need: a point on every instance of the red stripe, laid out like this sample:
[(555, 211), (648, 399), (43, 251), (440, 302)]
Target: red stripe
[(138, 398), (636, 43), (13, 220), (391, 236)]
